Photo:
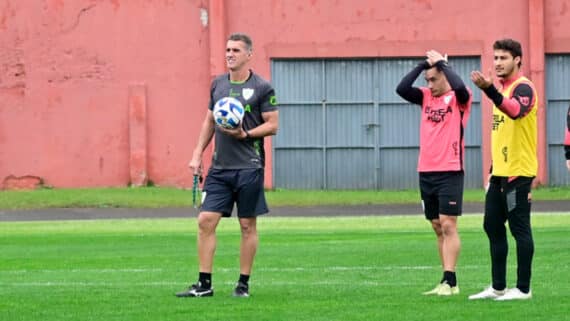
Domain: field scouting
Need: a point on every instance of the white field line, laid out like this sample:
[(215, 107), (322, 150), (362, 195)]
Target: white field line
[(102, 271), (275, 269), (262, 269)]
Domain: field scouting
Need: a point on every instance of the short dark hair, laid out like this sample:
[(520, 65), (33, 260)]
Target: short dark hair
[(244, 38), (510, 45)]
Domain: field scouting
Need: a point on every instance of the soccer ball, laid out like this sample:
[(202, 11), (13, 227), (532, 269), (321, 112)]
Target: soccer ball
[(228, 112)]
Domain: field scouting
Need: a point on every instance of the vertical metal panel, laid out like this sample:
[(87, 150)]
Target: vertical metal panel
[(473, 167), (398, 168), (350, 146), (558, 99), (349, 80), (350, 124), (558, 173), (556, 121), (399, 125), (298, 81), (390, 72), (298, 158), (299, 168), (557, 77), (350, 168), (302, 125)]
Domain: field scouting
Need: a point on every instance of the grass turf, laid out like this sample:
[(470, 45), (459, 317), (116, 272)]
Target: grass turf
[(353, 268), (157, 197)]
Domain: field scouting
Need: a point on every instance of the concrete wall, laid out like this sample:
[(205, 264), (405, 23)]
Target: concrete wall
[(68, 71), (107, 92)]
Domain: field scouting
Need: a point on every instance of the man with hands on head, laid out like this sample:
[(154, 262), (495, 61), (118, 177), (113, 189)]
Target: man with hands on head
[(445, 107)]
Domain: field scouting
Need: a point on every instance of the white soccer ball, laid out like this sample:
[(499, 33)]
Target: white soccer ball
[(228, 112)]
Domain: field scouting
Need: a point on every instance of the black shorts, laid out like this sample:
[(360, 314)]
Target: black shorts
[(442, 193), (224, 187)]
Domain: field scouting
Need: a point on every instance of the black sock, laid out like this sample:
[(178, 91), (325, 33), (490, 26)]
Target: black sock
[(244, 278), (205, 280), (450, 278)]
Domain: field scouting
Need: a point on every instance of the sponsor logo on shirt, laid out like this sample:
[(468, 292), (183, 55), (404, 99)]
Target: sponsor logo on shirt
[(437, 115), (497, 120)]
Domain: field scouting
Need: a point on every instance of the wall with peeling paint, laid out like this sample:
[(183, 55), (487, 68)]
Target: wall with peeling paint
[(71, 70), (66, 70)]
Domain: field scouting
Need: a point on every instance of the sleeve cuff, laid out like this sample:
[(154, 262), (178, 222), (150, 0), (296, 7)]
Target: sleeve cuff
[(494, 95)]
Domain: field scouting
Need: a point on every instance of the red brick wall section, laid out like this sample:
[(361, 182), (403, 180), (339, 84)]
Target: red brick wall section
[(22, 183), (138, 135)]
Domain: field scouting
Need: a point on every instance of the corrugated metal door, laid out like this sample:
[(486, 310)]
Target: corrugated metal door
[(557, 100), (342, 126)]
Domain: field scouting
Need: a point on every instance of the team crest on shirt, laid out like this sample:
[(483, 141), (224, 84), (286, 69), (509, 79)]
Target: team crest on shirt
[(246, 93), (447, 99)]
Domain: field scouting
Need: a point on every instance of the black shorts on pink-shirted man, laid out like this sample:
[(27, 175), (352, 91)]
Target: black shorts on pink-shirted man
[(442, 193), (224, 187)]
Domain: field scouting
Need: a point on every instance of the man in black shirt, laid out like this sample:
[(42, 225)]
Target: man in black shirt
[(237, 172)]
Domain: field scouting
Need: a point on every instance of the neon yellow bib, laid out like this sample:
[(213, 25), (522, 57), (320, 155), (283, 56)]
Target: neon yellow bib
[(513, 141)]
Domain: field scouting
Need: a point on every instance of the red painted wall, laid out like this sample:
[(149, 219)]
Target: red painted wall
[(67, 66), (557, 26), (71, 70)]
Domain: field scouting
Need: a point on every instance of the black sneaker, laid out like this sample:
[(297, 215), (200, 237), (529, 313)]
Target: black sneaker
[(196, 290), (241, 290)]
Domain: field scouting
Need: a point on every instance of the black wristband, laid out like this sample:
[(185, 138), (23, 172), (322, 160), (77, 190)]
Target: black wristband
[(494, 95), (440, 64), (424, 65), (247, 135)]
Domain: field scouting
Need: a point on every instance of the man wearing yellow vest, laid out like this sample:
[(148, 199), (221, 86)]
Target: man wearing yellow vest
[(514, 165)]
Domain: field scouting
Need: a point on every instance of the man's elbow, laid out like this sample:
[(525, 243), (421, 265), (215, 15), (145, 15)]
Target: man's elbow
[(400, 91), (273, 130)]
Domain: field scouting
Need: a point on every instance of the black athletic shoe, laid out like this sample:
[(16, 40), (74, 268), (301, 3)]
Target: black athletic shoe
[(196, 290), (241, 290)]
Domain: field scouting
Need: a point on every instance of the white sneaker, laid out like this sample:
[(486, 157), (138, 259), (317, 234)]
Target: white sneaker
[(488, 293), (515, 294)]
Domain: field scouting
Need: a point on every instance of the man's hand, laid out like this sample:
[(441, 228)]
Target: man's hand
[(237, 133), (195, 164), (568, 164), (433, 57), (481, 80)]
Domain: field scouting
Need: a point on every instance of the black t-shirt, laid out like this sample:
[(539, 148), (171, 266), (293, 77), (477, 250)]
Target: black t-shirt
[(257, 96)]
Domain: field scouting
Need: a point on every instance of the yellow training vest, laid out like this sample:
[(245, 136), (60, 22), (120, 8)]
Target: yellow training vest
[(513, 141)]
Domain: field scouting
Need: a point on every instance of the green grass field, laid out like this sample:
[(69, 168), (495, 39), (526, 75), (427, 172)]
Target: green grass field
[(357, 268), (157, 197)]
